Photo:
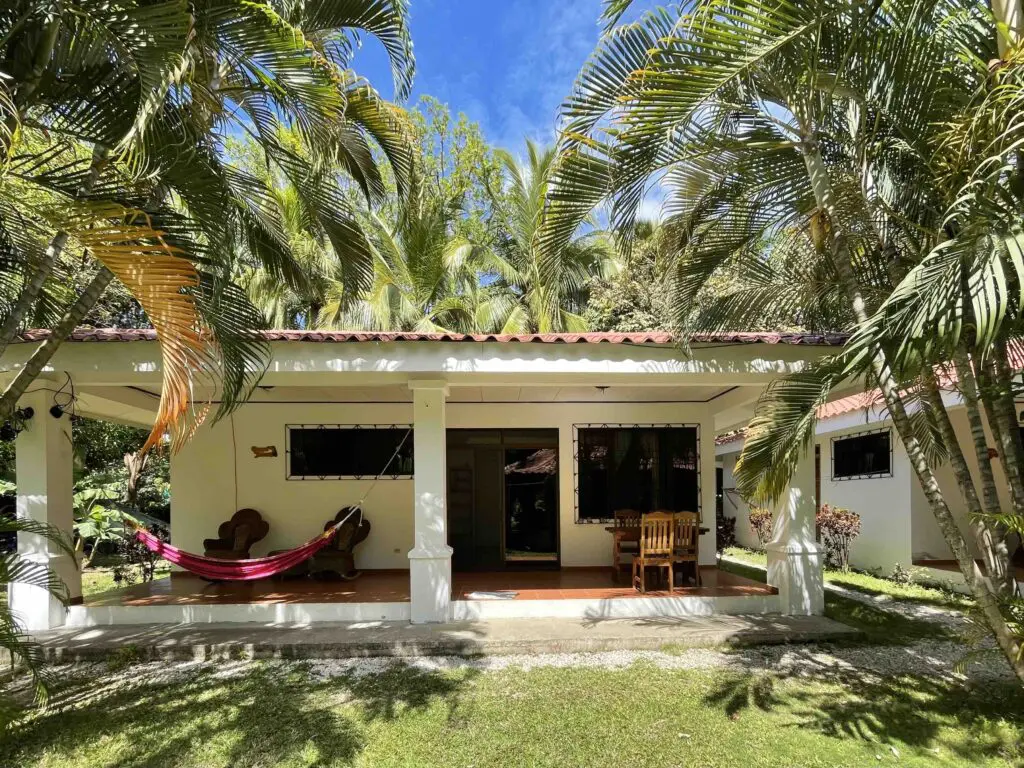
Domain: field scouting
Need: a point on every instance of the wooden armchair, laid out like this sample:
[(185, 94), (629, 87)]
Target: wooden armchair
[(657, 540), (236, 536), (626, 520), (338, 558), (684, 547)]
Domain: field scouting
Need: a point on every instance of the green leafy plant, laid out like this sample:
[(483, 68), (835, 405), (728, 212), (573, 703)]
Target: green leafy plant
[(901, 575), (725, 532), (136, 561), (97, 519), (761, 524), (25, 654)]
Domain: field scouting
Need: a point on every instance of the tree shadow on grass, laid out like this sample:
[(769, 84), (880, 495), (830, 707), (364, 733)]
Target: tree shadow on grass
[(400, 688), (264, 715), (916, 712)]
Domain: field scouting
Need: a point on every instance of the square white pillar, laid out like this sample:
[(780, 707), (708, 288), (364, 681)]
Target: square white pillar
[(708, 549), (44, 461), (794, 558), (430, 560)]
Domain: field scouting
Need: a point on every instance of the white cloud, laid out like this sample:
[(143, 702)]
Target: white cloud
[(556, 38)]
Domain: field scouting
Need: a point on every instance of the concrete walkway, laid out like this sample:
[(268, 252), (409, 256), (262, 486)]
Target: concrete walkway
[(516, 636)]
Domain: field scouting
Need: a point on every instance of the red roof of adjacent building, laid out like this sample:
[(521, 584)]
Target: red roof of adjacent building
[(946, 376), (333, 337)]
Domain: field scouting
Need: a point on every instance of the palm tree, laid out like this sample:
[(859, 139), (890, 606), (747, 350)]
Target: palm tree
[(424, 275), (134, 174), (524, 298), (810, 127), (285, 304), (24, 652)]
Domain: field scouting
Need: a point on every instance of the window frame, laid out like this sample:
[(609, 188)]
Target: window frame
[(576, 466), (866, 476), (288, 452)]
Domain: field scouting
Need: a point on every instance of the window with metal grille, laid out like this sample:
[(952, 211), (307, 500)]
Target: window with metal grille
[(635, 467), (337, 451), (864, 455)]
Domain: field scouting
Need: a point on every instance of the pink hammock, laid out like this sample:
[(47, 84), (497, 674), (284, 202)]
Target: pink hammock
[(216, 569)]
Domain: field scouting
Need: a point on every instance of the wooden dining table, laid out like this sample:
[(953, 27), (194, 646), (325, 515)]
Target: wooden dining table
[(630, 533)]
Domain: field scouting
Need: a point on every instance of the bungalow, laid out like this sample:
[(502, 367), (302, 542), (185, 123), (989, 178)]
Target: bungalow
[(488, 467), (860, 463)]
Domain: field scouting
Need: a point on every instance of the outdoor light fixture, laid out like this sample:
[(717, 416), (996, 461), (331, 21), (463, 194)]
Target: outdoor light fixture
[(56, 411), (15, 424)]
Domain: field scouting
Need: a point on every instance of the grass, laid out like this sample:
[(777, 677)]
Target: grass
[(96, 581), (280, 715), (875, 625), (871, 584), (637, 716)]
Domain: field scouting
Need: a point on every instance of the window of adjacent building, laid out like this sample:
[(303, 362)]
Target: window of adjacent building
[(863, 455), (332, 451), (643, 468)]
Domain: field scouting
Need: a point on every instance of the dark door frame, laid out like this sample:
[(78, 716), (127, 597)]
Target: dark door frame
[(504, 439)]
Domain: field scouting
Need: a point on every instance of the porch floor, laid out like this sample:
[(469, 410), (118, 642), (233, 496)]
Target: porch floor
[(393, 586)]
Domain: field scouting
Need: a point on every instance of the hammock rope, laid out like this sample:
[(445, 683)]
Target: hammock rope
[(218, 569)]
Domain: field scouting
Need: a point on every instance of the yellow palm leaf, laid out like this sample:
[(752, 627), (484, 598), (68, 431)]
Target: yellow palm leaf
[(160, 279)]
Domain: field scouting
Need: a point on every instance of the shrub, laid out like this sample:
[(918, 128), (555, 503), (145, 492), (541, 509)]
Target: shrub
[(725, 532), (901, 575), (136, 560), (838, 527), (761, 524)]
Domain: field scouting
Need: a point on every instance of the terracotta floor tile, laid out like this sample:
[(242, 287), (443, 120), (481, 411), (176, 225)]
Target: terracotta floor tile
[(393, 586)]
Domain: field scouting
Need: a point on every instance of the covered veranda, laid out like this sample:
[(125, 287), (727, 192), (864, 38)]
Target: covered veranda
[(434, 386)]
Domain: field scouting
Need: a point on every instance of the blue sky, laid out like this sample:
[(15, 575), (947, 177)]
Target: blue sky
[(507, 64)]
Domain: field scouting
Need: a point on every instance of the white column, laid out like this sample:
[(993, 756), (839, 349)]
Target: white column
[(44, 479), (430, 561), (794, 558), (706, 452)]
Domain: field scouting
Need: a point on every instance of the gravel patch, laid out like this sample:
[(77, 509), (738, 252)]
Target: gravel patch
[(927, 658)]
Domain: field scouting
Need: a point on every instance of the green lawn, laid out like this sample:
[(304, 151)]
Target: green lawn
[(638, 716), (877, 625), (873, 585), (273, 715), (96, 581)]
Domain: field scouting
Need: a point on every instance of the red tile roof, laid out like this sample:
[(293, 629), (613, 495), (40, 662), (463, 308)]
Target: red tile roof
[(653, 337), (860, 401), (946, 376)]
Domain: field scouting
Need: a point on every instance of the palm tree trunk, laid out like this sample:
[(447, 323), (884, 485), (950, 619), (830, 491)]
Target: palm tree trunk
[(969, 389), (1005, 417), (1011, 13), (983, 594), (30, 292), (993, 549), (45, 351)]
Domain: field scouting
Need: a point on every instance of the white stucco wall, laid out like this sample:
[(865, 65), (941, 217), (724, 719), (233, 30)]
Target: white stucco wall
[(734, 506), (929, 543), (202, 475), (883, 503)]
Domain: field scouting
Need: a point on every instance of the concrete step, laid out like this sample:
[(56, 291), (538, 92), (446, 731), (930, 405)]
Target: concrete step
[(401, 639)]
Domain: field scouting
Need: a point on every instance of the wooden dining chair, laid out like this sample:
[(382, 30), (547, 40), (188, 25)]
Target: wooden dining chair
[(685, 544), (625, 520), (657, 537)]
